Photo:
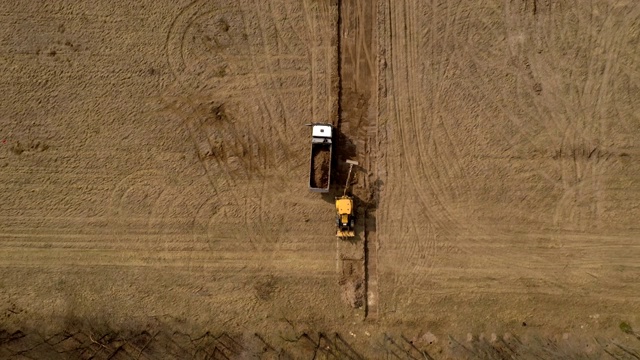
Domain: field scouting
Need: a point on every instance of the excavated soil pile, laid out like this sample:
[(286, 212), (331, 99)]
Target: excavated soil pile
[(352, 283), (352, 291), (321, 161)]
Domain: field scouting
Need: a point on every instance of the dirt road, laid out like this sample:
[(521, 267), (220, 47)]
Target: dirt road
[(154, 166)]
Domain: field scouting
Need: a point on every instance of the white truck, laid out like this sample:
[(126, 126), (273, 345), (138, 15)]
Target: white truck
[(321, 152)]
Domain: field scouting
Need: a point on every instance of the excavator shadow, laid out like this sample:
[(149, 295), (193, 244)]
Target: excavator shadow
[(343, 149)]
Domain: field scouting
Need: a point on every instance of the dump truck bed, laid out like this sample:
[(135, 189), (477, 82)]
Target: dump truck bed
[(320, 171)]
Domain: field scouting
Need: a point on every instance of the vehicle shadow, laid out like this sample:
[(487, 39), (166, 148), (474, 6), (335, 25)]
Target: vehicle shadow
[(344, 149)]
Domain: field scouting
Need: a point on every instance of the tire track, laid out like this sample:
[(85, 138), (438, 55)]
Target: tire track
[(437, 208), (232, 147), (323, 59), (139, 185), (273, 64), (580, 175), (397, 67), (414, 112), (577, 140), (414, 171), (527, 127), (262, 93), (175, 42), (479, 82), (527, 90), (167, 213), (548, 177), (448, 154), (414, 256), (314, 60), (520, 67), (256, 84), (411, 54), (256, 81)]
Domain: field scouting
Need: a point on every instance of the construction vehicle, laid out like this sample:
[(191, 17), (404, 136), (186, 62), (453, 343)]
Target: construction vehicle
[(321, 152), (345, 218)]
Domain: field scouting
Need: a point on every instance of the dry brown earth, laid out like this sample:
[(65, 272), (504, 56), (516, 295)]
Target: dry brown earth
[(154, 169)]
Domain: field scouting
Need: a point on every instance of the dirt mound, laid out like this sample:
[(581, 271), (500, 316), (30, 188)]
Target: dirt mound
[(352, 282), (352, 291), (321, 161)]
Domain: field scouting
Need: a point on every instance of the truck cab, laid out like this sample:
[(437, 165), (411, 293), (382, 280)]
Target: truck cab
[(322, 133)]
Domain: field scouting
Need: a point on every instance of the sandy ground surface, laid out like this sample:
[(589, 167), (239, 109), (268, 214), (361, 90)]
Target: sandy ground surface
[(154, 169)]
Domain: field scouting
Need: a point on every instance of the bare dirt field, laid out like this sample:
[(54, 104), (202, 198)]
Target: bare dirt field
[(154, 166)]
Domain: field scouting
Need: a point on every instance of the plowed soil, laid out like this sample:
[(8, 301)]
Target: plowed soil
[(154, 179)]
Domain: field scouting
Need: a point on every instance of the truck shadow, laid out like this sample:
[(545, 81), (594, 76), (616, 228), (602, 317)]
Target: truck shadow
[(343, 149)]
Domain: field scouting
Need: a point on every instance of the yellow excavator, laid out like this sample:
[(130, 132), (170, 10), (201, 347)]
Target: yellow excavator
[(345, 219)]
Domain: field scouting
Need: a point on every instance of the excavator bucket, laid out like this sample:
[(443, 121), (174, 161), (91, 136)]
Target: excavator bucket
[(345, 233)]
